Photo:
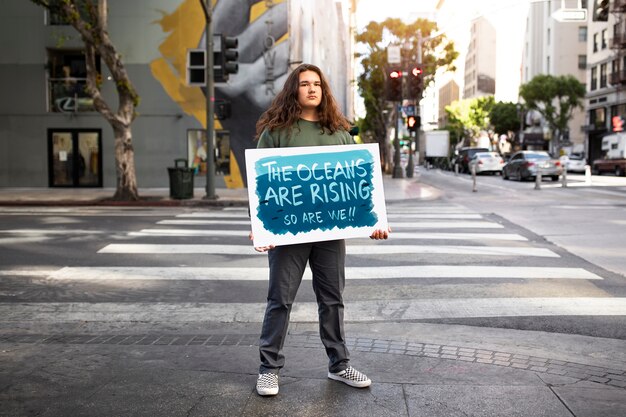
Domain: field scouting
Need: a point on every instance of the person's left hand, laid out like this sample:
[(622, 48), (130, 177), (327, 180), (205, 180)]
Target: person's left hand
[(380, 234)]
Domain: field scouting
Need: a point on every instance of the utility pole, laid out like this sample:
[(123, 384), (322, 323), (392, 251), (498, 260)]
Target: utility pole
[(210, 101)]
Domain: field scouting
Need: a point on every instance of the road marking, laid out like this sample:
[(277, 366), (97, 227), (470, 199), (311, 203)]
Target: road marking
[(352, 273), (189, 232), (381, 249), (359, 311), (205, 222), (27, 272), (394, 235), (447, 225)]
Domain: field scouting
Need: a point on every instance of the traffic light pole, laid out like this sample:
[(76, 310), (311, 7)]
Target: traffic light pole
[(210, 101), (397, 168)]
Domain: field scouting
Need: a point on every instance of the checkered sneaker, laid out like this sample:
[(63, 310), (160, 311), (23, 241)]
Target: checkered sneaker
[(351, 377), (267, 384)]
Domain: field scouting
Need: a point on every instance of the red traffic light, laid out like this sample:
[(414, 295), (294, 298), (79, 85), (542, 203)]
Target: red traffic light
[(411, 121), (416, 71), (395, 74)]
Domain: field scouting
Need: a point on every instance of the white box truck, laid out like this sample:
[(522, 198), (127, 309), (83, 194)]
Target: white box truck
[(614, 160)]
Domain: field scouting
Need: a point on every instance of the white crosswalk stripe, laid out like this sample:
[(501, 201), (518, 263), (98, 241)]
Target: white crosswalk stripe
[(380, 249)]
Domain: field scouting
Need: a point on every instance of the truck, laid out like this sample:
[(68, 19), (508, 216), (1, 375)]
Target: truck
[(614, 159), (436, 147)]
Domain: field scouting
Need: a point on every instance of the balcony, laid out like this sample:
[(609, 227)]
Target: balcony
[(619, 40), (617, 78)]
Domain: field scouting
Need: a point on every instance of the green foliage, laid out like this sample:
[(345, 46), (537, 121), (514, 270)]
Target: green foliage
[(555, 97), (504, 117), (436, 53), (466, 118)]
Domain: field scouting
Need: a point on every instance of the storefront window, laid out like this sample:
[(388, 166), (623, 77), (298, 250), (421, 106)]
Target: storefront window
[(67, 81)]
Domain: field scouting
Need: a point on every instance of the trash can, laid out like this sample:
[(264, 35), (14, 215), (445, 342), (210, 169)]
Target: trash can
[(181, 180)]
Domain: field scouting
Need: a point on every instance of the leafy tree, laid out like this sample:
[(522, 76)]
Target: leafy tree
[(504, 117), (555, 98), (436, 52), (466, 118), (89, 18)]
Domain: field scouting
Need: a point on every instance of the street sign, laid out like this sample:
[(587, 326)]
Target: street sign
[(570, 15), (393, 54)]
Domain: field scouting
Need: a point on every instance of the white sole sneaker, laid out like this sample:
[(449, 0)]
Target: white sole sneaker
[(267, 384), (351, 377)]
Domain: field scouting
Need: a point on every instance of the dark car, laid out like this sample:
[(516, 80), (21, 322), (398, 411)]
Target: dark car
[(464, 156), (524, 165)]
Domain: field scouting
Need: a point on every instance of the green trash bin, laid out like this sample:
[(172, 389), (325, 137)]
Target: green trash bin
[(181, 180)]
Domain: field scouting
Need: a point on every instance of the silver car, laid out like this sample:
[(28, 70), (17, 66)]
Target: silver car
[(525, 165), (486, 162)]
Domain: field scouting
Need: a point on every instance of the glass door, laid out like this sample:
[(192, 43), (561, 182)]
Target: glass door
[(74, 158)]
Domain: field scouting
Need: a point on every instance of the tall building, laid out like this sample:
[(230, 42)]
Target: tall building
[(480, 60), (606, 76), (448, 94), (556, 48), (50, 134)]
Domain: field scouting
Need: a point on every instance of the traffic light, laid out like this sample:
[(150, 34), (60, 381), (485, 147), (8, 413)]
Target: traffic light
[(223, 109), (416, 82), (601, 12), (413, 123), (393, 84), (225, 57), (196, 67)]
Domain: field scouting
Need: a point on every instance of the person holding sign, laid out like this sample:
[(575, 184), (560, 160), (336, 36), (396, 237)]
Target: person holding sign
[(304, 113)]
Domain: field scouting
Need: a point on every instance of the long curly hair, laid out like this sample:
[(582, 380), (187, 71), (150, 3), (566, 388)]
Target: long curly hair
[(285, 111)]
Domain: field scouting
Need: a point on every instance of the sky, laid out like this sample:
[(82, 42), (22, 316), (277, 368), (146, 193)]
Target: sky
[(507, 16)]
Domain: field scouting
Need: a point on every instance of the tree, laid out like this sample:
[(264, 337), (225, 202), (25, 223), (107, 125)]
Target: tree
[(437, 52), (89, 18), (555, 98), (466, 118), (504, 117)]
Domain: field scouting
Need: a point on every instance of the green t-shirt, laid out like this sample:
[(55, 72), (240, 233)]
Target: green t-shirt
[(304, 133)]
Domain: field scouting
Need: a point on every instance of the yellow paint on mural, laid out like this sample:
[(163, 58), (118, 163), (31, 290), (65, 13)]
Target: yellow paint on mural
[(259, 8), (186, 26)]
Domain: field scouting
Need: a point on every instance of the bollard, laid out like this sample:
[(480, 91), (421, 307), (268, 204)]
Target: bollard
[(538, 180), (564, 178), (474, 178), (456, 169), (587, 175)]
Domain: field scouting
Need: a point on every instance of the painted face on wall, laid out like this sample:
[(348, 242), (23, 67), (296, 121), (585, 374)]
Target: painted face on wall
[(309, 90)]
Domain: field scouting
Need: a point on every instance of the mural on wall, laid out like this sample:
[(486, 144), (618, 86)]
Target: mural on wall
[(261, 28)]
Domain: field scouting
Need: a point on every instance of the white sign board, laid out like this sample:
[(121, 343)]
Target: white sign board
[(570, 15), (393, 54), (317, 193)]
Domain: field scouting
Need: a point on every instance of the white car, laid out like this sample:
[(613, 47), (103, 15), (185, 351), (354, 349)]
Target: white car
[(576, 163), (489, 162)]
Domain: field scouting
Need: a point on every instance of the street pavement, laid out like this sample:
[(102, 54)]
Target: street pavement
[(200, 359)]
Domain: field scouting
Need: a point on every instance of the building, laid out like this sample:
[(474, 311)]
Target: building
[(51, 136), (448, 94), (606, 76), (556, 48), (480, 60)]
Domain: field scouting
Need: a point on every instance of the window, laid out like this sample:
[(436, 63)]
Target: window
[(67, 78), (605, 39), (582, 34), (594, 78), (548, 65), (548, 36), (602, 75), (582, 61), (595, 42), (597, 118)]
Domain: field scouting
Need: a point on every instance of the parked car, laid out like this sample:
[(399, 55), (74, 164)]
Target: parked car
[(525, 164), (464, 155), (486, 162), (576, 162)]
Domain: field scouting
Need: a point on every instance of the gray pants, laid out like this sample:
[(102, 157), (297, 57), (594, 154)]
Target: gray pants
[(287, 264)]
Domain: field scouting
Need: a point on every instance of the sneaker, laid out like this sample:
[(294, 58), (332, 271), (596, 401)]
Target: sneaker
[(351, 377), (267, 384)]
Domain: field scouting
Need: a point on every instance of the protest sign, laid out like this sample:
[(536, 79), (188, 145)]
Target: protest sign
[(309, 194)]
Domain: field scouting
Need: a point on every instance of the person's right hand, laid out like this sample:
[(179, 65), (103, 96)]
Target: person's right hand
[(261, 248)]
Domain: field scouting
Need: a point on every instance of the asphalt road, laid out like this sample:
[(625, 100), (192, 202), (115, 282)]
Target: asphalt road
[(503, 256)]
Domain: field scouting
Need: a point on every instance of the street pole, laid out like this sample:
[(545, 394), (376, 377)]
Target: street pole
[(397, 168), (210, 101), (410, 165)]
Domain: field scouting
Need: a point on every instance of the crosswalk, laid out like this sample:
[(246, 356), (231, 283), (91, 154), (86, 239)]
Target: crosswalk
[(469, 265)]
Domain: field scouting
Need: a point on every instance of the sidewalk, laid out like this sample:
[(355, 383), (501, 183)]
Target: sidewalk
[(73, 359), (395, 189)]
